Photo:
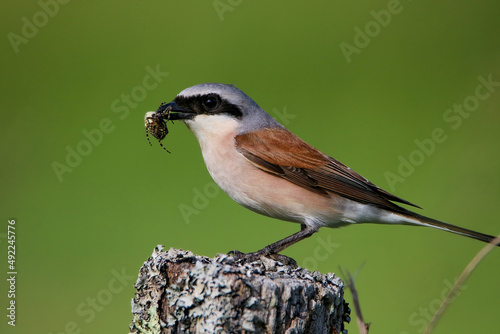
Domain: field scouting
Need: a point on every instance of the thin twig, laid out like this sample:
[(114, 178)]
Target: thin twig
[(363, 326), (460, 281)]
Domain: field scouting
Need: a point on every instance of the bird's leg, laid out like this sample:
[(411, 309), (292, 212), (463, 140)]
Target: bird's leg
[(273, 249)]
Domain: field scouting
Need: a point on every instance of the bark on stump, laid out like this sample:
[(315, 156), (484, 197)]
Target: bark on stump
[(178, 292)]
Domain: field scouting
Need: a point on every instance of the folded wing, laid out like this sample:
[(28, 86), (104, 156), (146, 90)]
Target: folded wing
[(280, 152)]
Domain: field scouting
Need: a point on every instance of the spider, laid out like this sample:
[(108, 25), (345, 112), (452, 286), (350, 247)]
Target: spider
[(156, 125)]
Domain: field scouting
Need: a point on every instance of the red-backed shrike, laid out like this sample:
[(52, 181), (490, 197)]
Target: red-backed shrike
[(269, 170)]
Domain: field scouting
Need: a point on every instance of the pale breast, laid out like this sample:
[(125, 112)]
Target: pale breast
[(253, 188)]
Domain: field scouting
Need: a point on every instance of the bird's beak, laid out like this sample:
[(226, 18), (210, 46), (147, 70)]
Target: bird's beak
[(175, 112)]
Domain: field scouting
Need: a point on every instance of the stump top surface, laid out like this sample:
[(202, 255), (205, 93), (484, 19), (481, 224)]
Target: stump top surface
[(180, 292)]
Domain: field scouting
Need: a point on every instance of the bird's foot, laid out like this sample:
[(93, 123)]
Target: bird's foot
[(242, 258)]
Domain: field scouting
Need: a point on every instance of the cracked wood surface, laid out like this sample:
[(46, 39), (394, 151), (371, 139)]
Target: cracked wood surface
[(179, 292)]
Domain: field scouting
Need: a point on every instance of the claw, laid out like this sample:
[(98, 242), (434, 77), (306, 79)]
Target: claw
[(243, 258)]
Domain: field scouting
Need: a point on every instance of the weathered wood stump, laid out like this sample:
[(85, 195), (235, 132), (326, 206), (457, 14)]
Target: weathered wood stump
[(178, 292)]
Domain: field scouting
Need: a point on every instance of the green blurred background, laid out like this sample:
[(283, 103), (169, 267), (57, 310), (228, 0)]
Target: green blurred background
[(82, 236)]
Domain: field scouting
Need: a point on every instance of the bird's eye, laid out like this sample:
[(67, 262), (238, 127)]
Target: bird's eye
[(211, 102)]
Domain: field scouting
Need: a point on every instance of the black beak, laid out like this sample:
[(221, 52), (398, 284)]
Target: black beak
[(173, 112)]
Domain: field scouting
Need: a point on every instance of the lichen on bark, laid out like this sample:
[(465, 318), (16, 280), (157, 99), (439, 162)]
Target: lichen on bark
[(179, 292)]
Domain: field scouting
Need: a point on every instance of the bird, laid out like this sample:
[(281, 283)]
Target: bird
[(268, 169)]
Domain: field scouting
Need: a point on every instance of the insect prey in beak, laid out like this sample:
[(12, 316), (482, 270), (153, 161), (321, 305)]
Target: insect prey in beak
[(156, 125)]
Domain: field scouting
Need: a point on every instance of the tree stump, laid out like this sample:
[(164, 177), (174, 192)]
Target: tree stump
[(179, 292)]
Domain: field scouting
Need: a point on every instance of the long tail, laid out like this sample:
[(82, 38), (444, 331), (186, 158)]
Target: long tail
[(426, 221)]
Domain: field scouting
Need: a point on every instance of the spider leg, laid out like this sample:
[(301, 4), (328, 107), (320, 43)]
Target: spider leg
[(163, 146)]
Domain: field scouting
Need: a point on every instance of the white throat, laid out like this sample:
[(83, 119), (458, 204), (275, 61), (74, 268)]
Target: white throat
[(211, 129)]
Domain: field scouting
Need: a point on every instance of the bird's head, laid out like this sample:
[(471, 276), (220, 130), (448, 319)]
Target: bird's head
[(212, 108)]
